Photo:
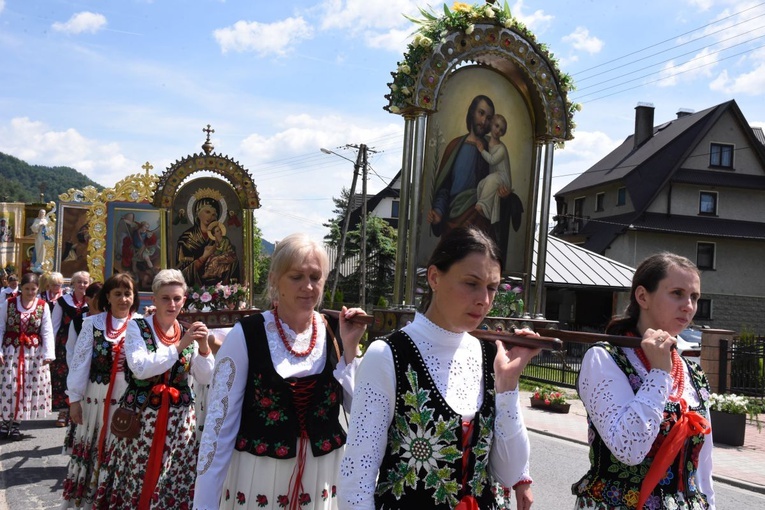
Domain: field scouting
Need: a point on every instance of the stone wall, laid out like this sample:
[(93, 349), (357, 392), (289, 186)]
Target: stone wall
[(736, 313)]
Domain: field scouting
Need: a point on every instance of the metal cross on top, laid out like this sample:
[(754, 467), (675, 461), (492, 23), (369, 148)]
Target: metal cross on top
[(209, 131), (147, 166)]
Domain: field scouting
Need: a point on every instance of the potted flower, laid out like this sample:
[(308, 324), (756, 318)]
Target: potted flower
[(507, 301), (550, 399), (728, 414)]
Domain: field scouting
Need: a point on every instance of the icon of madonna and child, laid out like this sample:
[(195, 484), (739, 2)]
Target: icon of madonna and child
[(204, 253)]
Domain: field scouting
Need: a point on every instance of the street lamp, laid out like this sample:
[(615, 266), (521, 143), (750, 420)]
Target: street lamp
[(361, 157)]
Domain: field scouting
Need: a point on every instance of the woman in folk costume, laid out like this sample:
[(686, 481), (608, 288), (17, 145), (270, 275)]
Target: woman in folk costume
[(647, 407), (272, 437), (67, 308), (156, 469), (436, 418), (95, 384), (27, 350)]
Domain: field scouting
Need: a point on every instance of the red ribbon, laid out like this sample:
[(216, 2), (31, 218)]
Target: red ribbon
[(689, 424), (467, 503), (19, 379), (157, 442), (116, 350)]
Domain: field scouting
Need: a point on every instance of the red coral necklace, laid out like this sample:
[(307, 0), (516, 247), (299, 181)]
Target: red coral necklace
[(77, 304), (168, 339), (115, 333), (678, 378), (280, 330)]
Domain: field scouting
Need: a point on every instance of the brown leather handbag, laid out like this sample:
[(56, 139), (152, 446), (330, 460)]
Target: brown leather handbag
[(126, 422)]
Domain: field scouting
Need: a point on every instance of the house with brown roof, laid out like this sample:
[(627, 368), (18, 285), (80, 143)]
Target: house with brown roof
[(694, 185)]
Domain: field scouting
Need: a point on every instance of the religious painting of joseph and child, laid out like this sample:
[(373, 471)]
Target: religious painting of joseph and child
[(206, 233), (478, 164)]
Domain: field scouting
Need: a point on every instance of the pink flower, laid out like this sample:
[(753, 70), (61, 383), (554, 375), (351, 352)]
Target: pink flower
[(206, 297), (195, 296)]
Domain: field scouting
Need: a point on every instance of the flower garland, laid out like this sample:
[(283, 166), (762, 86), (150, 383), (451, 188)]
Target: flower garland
[(433, 29), (217, 297)]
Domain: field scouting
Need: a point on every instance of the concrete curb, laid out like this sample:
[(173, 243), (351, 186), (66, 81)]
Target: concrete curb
[(741, 484)]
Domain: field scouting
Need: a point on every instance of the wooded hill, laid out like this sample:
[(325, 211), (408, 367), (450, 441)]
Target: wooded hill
[(20, 181)]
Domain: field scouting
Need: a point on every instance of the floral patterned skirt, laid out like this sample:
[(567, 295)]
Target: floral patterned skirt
[(255, 482), (82, 476), (35, 396), (120, 484), (59, 371), (200, 405)]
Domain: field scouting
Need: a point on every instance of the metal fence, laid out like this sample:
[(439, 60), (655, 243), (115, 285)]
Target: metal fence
[(559, 368), (743, 359)]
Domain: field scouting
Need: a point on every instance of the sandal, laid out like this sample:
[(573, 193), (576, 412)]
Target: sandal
[(63, 417), (5, 429)]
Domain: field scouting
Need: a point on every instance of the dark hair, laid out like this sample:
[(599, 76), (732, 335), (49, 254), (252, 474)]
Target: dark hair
[(472, 108), (455, 246), (29, 278), (13, 278), (91, 291), (118, 280), (648, 275)]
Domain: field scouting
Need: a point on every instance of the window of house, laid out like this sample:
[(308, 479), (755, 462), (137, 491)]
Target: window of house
[(394, 209), (621, 196), (721, 155), (705, 255), (703, 309), (578, 214), (708, 202), (599, 198)]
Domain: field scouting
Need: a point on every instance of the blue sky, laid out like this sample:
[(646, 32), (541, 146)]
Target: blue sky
[(103, 86)]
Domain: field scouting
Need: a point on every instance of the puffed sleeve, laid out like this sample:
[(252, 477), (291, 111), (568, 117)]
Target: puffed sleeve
[(371, 416), (48, 338), (142, 363), (202, 366), (57, 314), (224, 414), (79, 365), (509, 457), (628, 422), (3, 318), (71, 340)]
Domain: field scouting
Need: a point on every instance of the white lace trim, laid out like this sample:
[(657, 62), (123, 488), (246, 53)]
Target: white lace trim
[(218, 401)]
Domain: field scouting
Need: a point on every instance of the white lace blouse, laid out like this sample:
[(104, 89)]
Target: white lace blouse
[(628, 422), (47, 337), (226, 395), (454, 361)]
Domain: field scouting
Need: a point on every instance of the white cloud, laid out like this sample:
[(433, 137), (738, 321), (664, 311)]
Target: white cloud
[(361, 15), (751, 83), (82, 22), (264, 39), (2, 5), (35, 143), (393, 40), (581, 39), (538, 21)]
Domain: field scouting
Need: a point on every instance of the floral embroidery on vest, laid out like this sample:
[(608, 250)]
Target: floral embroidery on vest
[(610, 483)]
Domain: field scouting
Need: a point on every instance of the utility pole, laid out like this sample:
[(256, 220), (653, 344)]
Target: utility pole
[(346, 220), (363, 290)]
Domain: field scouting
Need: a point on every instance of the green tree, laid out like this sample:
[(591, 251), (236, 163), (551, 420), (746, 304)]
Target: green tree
[(261, 263), (381, 260), (335, 225)]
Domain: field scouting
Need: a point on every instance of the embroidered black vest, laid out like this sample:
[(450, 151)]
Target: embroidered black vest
[(610, 483), (270, 421), (139, 390), (13, 325), (422, 467), (101, 361), (69, 314)]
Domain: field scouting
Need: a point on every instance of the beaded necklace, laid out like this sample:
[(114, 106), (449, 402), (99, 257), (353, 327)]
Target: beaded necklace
[(168, 339), (77, 304), (280, 330), (115, 333), (678, 378)]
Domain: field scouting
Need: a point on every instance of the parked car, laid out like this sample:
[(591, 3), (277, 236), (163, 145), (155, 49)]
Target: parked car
[(689, 344)]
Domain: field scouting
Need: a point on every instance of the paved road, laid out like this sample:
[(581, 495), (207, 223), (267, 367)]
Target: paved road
[(32, 471)]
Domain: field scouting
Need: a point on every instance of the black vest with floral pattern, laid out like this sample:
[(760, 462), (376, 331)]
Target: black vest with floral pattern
[(13, 325), (612, 484), (101, 360), (270, 422), (139, 390), (422, 467)]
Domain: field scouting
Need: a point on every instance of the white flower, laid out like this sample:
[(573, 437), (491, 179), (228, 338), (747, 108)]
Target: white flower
[(421, 450), (426, 42), (404, 68), (508, 22), (394, 109), (489, 11), (405, 90), (393, 87), (469, 29), (417, 40)]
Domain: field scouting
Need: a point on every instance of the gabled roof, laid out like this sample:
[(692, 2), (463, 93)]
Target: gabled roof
[(645, 170), (569, 265), (372, 202)]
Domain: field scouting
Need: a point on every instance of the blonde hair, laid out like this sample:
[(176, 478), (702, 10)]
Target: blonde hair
[(79, 275), (293, 249), (168, 277)]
